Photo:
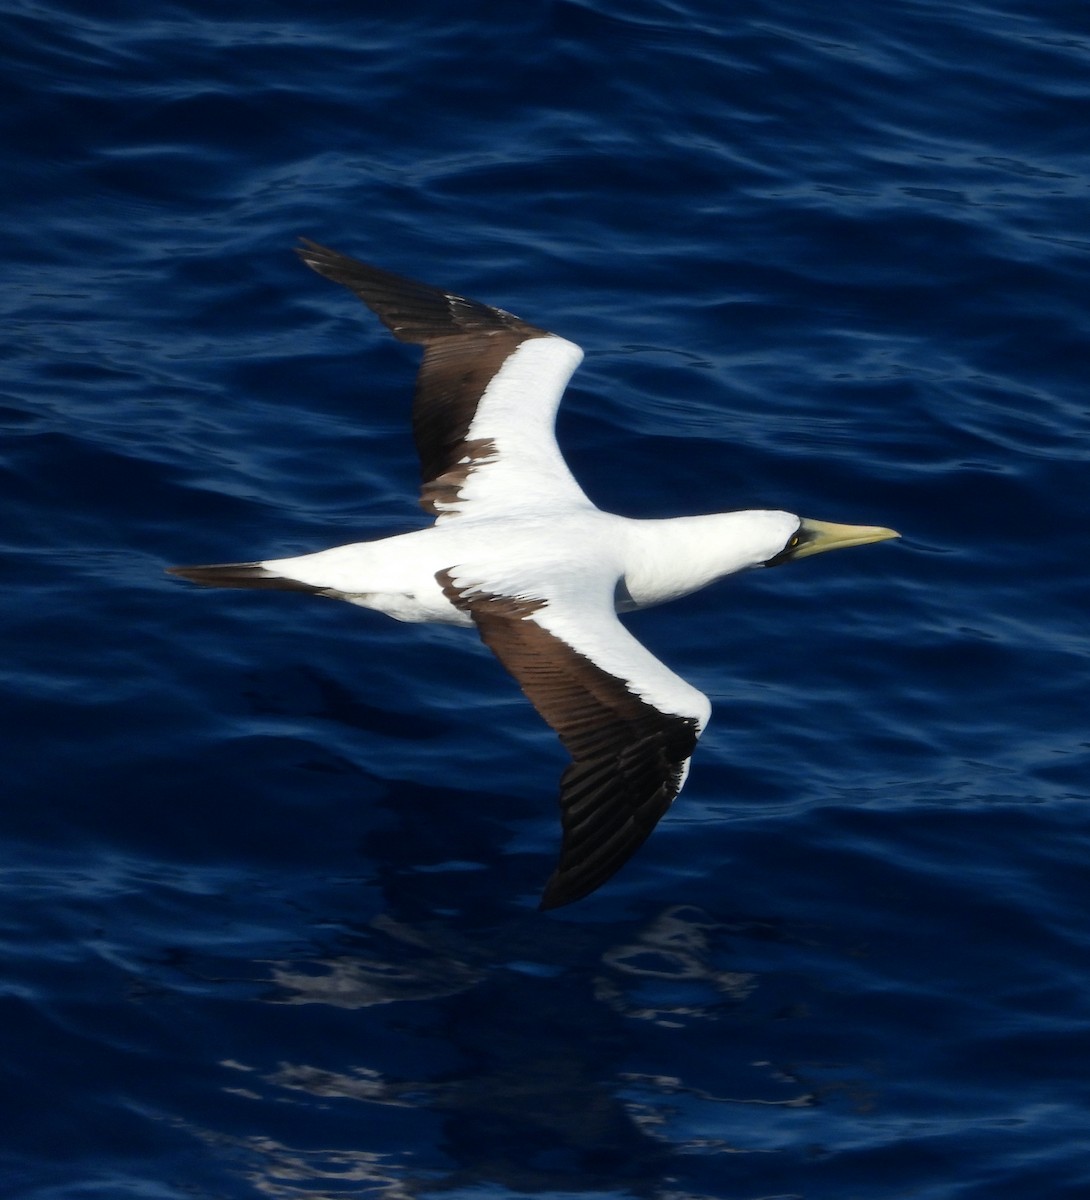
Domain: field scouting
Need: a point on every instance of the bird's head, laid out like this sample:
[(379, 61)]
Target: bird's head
[(815, 537)]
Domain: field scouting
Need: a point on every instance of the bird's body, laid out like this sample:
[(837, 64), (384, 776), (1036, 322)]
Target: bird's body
[(640, 562), (518, 550)]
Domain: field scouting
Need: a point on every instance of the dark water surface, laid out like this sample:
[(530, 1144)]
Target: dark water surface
[(270, 865)]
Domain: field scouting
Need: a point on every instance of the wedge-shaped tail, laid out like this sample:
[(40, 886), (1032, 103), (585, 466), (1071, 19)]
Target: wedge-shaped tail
[(242, 575)]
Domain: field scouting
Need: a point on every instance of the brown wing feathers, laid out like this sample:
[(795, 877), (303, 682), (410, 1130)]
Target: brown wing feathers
[(465, 344), (412, 311), (628, 757)]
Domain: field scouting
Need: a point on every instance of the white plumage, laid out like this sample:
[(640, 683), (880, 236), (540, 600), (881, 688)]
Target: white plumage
[(518, 550)]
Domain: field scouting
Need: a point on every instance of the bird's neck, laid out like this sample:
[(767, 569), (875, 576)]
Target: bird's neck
[(670, 558)]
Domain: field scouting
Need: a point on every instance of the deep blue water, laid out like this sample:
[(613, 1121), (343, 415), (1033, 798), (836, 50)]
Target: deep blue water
[(270, 865)]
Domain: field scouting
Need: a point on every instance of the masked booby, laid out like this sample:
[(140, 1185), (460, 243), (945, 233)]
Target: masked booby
[(520, 552)]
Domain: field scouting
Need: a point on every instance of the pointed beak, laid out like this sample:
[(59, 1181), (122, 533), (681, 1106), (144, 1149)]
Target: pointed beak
[(815, 537)]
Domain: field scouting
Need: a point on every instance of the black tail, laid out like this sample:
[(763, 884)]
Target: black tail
[(242, 575)]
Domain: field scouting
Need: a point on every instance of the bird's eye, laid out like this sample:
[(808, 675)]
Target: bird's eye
[(795, 539)]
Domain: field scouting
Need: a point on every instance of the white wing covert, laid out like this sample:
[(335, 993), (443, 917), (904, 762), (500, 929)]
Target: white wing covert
[(486, 395)]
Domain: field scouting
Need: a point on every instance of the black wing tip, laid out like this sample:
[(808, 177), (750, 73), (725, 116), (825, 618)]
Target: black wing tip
[(568, 883), (309, 248), (323, 259), (560, 892), (412, 310), (348, 271), (352, 272)]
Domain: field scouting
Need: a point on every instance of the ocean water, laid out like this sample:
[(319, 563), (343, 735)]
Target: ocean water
[(269, 865)]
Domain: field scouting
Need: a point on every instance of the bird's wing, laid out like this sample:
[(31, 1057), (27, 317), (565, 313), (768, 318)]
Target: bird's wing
[(486, 395), (629, 723)]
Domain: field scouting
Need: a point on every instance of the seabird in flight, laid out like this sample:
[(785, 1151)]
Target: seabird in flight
[(518, 550)]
